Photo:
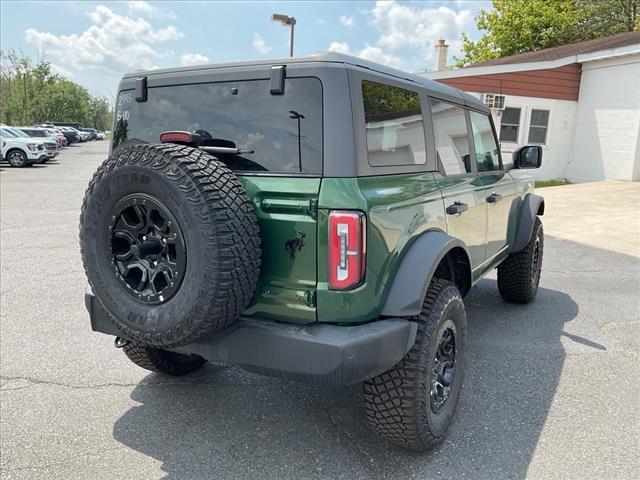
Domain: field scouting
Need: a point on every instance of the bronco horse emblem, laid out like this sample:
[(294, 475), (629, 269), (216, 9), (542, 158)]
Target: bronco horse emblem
[(294, 244)]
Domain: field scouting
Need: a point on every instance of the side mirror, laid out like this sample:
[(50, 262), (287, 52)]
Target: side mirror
[(529, 156)]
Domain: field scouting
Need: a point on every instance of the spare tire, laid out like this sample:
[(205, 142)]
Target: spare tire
[(170, 243)]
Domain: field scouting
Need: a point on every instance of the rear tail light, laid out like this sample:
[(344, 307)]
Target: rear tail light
[(347, 249)]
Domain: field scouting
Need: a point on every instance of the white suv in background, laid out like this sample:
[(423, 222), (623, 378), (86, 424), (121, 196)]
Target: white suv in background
[(50, 142), (19, 149)]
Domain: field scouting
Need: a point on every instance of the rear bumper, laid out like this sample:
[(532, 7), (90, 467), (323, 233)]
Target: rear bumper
[(318, 354)]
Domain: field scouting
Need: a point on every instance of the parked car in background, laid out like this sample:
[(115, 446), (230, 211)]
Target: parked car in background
[(21, 150), (70, 134), (93, 133), (100, 136), (62, 140), (50, 141), (84, 136)]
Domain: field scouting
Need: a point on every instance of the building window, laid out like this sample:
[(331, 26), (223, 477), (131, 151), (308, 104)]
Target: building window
[(394, 126), (510, 125), (538, 126)]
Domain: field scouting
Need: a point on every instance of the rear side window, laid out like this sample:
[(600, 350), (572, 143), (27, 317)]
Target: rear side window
[(284, 131), (487, 152), (451, 137), (394, 126)]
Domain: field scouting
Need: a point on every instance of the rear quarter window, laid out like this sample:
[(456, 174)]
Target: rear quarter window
[(284, 131), (394, 125)]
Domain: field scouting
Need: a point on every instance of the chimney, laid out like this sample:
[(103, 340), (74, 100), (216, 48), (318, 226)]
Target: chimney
[(441, 49)]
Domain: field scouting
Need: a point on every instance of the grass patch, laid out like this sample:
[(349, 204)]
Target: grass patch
[(552, 183)]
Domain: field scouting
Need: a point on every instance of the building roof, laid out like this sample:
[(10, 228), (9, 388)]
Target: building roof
[(562, 51)]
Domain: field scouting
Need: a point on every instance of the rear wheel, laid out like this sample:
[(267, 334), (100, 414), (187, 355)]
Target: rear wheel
[(17, 158), (519, 273), (162, 361), (413, 404)]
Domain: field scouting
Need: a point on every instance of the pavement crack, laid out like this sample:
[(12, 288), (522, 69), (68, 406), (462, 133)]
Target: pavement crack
[(38, 381)]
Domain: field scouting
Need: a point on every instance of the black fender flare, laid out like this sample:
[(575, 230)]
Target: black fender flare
[(417, 267), (532, 206)]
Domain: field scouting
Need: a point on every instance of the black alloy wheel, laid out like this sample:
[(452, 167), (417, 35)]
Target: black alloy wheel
[(442, 373), (535, 259), (147, 247)]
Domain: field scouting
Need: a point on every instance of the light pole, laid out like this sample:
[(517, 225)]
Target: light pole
[(285, 20), (298, 116)]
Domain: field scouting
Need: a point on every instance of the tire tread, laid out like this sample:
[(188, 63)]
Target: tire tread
[(226, 216), (394, 406)]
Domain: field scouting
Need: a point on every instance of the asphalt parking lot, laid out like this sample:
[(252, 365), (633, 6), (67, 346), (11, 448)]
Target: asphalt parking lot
[(552, 388)]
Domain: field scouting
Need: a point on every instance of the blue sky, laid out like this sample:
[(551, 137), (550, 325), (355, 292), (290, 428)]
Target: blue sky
[(94, 43)]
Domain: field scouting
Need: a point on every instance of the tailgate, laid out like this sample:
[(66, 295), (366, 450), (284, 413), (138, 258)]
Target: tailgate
[(287, 213)]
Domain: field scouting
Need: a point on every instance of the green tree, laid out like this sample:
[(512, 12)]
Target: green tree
[(518, 26), (380, 98), (99, 113), (31, 94)]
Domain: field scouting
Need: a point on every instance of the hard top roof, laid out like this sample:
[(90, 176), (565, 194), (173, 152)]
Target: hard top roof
[(323, 57)]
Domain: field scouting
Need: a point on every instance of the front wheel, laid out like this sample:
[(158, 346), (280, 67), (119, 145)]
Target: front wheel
[(16, 158), (162, 361), (519, 273), (413, 404)]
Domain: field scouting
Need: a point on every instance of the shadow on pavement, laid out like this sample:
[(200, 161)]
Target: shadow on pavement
[(228, 423)]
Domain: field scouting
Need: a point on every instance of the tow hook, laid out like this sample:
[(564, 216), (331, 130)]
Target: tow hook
[(120, 342)]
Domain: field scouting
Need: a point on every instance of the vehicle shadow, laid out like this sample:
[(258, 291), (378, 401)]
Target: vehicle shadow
[(228, 423)]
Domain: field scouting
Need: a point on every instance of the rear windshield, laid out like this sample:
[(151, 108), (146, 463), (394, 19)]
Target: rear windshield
[(283, 131)]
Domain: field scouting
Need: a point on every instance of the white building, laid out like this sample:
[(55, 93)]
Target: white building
[(580, 101)]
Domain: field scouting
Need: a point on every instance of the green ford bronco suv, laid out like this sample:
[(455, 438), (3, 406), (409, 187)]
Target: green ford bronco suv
[(316, 219)]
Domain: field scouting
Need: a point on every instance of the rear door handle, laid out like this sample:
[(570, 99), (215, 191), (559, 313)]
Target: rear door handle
[(494, 198), (457, 208)]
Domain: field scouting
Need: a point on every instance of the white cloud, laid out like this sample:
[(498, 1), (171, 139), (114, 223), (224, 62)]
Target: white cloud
[(376, 54), (61, 71), (340, 47), (144, 8), (320, 21), (347, 21), (411, 32), (259, 44), (193, 59), (114, 42), (408, 33), (369, 52), (141, 7)]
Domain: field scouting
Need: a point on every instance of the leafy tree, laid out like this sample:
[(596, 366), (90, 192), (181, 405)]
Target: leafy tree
[(518, 26), (380, 99), (99, 113), (32, 94)]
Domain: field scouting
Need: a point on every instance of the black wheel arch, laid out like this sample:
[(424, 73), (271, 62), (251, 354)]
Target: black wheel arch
[(434, 254), (532, 206)]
